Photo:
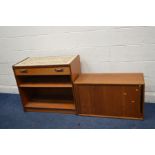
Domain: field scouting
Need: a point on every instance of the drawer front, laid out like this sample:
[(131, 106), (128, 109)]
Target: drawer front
[(43, 71)]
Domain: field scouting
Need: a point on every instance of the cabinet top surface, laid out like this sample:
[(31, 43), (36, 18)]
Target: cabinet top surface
[(43, 61), (111, 78)]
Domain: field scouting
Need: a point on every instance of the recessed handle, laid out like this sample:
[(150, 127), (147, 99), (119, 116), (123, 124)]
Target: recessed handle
[(124, 93), (133, 101), (59, 69), (23, 70)]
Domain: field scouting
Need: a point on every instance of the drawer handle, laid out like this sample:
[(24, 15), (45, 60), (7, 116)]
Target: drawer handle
[(23, 70), (59, 69)]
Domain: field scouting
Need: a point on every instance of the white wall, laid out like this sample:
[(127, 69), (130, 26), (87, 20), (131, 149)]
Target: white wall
[(102, 49)]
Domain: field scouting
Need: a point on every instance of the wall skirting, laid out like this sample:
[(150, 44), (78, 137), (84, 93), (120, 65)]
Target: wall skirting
[(9, 89)]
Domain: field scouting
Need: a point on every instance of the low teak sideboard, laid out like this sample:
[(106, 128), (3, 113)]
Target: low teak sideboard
[(111, 95), (56, 84)]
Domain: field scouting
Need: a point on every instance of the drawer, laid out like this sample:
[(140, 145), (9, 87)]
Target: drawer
[(43, 71)]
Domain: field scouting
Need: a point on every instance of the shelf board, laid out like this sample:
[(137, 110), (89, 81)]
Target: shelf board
[(54, 85), (46, 105)]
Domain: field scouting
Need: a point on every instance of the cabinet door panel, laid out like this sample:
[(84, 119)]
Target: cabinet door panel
[(113, 100), (132, 101), (83, 95), (109, 100), (100, 100)]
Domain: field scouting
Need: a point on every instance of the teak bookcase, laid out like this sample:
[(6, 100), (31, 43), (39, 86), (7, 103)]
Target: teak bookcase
[(46, 84), (55, 84)]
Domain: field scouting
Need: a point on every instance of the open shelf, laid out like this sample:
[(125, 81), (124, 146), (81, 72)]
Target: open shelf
[(49, 98), (52, 105), (48, 93), (45, 81), (38, 99), (54, 85)]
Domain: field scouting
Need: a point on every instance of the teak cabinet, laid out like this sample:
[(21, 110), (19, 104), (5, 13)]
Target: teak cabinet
[(46, 84), (55, 84), (112, 95)]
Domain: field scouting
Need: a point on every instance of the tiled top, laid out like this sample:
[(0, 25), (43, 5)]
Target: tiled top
[(51, 60)]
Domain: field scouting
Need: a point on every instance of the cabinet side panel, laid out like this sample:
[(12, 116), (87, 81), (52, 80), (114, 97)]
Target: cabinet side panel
[(22, 94), (142, 100), (75, 67)]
